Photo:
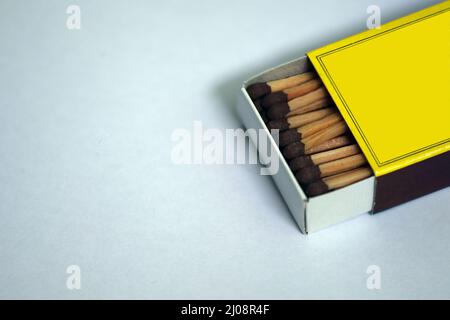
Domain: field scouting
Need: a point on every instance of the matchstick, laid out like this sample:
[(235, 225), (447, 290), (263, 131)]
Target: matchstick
[(300, 120), (330, 144), (280, 110), (337, 181), (257, 90), (331, 132), (297, 149), (316, 105), (291, 93), (315, 173), (305, 131), (323, 157)]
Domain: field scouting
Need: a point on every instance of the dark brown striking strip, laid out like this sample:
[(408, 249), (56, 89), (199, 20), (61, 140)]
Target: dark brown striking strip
[(412, 182)]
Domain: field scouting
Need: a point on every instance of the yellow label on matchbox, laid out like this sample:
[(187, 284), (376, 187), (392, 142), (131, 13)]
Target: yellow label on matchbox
[(392, 86)]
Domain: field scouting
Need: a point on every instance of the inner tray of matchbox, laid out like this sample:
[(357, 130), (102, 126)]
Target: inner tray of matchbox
[(310, 132)]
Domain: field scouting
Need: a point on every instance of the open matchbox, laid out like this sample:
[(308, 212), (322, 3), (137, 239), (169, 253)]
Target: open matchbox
[(391, 86)]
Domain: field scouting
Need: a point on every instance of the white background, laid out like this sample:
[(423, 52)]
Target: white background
[(86, 178)]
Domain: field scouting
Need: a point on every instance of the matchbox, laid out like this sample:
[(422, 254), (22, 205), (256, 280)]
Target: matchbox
[(368, 90)]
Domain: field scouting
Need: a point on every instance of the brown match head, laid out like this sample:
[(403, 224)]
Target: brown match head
[(257, 90), (288, 137), (308, 174), (273, 99), (317, 188), (278, 111), (300, 162), (257, 104), (264, 117), (294, 150), (281, 124)]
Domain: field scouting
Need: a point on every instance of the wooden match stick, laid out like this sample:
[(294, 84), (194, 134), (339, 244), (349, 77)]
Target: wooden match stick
[(330, 144), (280, 110), (300, 120), (316, 105), (293, 135), (323, 157), (297, 149), (337, 181), (314, 173), (257, 90), (333, 131), (291, 93)]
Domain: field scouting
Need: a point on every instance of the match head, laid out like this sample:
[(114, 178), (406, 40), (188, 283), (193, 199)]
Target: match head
[(300, 162), (273, 99), (257, 90), (317, 188), (278, 111), (308, 174), (257, 104), (281, 124), (294, 150), (288, 137), (264, 117)]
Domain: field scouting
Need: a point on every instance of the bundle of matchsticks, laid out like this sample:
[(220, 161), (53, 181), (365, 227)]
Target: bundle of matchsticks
[(313, 137)]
